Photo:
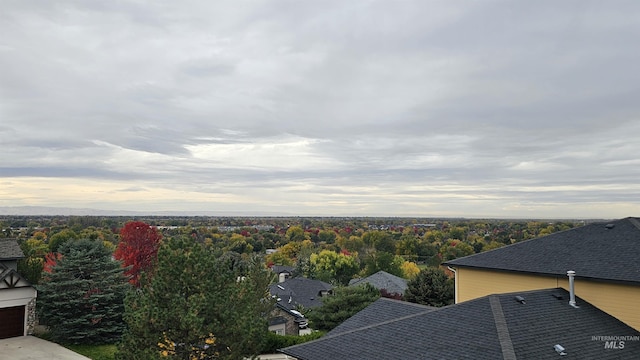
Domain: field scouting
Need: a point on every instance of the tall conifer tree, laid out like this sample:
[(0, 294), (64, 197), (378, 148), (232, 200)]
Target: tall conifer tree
[(430, 287), (345, 302), (82, 298), (197, 306)]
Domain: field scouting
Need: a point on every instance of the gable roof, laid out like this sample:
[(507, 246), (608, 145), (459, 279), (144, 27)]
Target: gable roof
[(10, 250), (383, 280), (601, 251), (300, 291), (282, 269), (492, 327), (10, 279), (293, 315), (380, 311)]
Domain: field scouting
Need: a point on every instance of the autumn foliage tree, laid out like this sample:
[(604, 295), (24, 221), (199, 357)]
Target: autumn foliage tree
[(138, 249), (332, 266), (50, 260), (34, 251)]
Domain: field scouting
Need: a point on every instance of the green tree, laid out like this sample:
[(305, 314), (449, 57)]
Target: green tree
[(386, 244), (385, 261), (492, 245), (341, 305), (34, 251), (82, 298), (350, 243), (380, 240), (60, 238), (197, 306), (454, 249), (279, 258), (330, 266), (430, 287), (295, 233), (327, 236)]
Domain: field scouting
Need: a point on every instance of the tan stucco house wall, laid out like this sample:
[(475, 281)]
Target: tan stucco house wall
[(621, 301)]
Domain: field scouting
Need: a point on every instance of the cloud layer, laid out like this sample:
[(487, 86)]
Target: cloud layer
[(413, 108)]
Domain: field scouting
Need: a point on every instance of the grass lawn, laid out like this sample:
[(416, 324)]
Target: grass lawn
[(95, 352)]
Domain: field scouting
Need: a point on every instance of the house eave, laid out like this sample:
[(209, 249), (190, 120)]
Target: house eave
[(547, 274)]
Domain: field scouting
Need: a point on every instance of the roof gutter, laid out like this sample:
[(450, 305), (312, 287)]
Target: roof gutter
[(455, 283)]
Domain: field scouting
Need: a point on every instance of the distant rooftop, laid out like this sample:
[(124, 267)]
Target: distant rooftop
[(300, 291), (383, 280), (10, 250)]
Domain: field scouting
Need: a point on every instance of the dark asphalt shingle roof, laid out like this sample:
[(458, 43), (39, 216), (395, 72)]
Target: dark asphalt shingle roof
[(300, 291), (380, 311), (10, 250), (469, 330), (383, 280), (282, 268), (604, 251)]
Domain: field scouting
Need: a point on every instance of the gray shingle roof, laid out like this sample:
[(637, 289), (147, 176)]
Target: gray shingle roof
[(380, 311), (604, 251), (300, 291), (10, 250), (488, 328), (282, 268), (383, 280)]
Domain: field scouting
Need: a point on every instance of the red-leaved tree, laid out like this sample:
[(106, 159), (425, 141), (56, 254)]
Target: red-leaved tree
[(50, 260), (138, 249)]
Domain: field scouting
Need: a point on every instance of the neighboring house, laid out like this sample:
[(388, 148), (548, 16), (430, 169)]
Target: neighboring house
[(17, 296), (536, 324), (604, 256), (292, 295), (382, 280), (283, 272), (285, 321)]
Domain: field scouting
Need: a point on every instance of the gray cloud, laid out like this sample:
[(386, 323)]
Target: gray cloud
[(358, 108)]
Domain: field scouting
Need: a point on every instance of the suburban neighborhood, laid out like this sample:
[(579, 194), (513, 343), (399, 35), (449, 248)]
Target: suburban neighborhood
[(516, 302), (319, 180), (571, 293)]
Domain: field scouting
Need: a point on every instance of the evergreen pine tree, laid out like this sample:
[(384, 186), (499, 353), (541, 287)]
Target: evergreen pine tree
[(197, 306), (341, 305), (430, 287), (82, 299)]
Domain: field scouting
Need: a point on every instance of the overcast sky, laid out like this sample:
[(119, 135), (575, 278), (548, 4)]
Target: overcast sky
[(362, 108)]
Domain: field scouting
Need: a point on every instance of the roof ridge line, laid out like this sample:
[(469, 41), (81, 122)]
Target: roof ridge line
[(508, 353), (404, 302), (377, 324), (635, 222)]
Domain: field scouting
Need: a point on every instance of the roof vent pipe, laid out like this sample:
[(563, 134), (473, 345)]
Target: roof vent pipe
[(572, 291)]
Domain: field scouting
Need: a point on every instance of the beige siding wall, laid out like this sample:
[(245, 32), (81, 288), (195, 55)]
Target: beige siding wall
[(620, 301), (473, 283)]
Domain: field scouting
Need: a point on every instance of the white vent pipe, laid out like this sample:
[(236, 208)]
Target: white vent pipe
[(572, 291)]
